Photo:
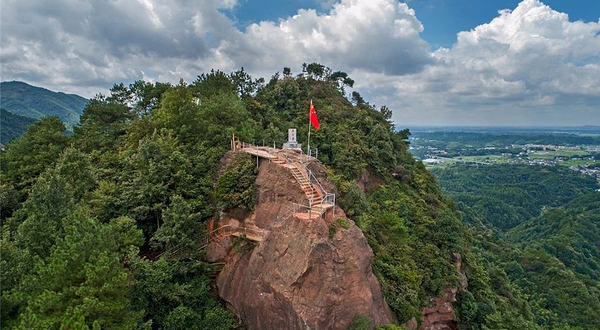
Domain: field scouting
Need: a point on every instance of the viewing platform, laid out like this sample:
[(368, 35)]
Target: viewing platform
[(294, 160)]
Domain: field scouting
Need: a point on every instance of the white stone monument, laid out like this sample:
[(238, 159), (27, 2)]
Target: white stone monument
[(292, 142)]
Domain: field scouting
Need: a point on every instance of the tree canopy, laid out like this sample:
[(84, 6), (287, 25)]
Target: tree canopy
[(100, 229)]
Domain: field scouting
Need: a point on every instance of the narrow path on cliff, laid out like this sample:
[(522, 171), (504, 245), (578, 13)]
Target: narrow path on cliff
[(294, 160), (319, 201)]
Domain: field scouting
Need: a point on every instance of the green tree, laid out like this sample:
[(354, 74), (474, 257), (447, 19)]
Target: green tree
[(181, 230), (174, 293), (26, 158), (83, 278), (235, 187), (103, 121), (179, 112), (52, 198), (147, 96)]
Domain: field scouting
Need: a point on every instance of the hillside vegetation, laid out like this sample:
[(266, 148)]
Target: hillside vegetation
[(505, 195), (12, 126), (34, 102), (536, 232), (89, 222)]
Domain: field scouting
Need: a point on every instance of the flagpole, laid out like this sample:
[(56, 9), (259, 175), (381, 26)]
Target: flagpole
[(308, 144)]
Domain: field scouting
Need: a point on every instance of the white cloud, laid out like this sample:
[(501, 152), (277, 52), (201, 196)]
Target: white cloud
[(526, 60), (376, 36), (529, 63), (85, 46)]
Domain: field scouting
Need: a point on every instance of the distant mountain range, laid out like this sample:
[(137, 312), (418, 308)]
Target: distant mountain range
[(35, 102), (29, 103)]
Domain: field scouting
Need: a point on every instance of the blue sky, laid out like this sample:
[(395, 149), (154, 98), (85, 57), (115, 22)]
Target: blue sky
[(442, 19), (433, 62)]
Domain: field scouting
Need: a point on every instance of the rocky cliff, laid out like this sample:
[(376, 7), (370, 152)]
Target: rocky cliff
[(440, 313), (303, 274)]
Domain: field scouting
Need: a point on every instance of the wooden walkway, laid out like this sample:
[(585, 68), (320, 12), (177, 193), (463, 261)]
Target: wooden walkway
[(261, 152), (319, 201), (251, 232)]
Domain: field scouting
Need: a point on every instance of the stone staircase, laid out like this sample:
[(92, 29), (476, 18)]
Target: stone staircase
[(250, 231), (319, 201), (312, 193)]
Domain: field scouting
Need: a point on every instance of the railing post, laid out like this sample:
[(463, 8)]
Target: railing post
[(333, 211)]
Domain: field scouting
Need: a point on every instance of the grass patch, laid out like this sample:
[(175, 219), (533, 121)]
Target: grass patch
[(332, 231), (343, 223)]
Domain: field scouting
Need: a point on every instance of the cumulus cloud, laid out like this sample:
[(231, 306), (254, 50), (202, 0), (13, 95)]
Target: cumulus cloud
[(375, 35), (82, 45), (531, 61)]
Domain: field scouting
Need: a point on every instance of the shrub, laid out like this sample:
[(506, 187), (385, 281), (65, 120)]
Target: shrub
[(332, 231), (361, 322), (235, 188), (343, 223)]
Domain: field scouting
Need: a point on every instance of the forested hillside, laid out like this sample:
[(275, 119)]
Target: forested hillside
[(12, 126), (34, 102), (536, 231), (505, 195), (86, 219)]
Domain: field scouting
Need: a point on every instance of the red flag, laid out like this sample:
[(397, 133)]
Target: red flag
[(313, 116)]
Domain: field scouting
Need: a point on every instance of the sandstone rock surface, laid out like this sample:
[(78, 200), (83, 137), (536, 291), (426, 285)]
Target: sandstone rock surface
[(299, 276)]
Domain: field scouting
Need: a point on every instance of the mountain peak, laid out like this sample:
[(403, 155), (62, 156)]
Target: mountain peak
[(23, 99)]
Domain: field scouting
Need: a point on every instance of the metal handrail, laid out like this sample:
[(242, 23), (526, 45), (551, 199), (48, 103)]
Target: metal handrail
[(301, 207), (327, 197), (302, 159), (315, 151)]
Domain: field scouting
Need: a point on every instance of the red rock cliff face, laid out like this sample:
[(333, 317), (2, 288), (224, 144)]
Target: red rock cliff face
[(298, 277), (440, 314)]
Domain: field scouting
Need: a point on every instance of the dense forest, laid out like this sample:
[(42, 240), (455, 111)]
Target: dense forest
[(89, 219), (505, 195), (12, 126), (536, 229)]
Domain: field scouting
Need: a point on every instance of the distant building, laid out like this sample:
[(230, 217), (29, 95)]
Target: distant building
[(432, 161)]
